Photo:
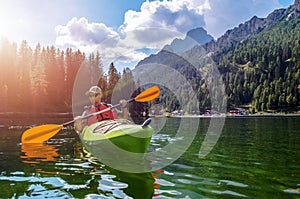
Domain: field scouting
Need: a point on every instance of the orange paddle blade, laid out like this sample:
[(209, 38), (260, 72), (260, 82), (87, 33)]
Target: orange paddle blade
[(41, 133), (147, 95)]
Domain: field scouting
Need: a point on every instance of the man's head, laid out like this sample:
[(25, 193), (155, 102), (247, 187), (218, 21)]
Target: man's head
[(95, 95)]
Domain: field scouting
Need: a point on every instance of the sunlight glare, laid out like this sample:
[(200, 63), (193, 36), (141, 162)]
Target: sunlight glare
[(10, 25)]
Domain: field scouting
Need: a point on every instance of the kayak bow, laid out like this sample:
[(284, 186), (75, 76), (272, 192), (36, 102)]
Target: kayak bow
[(122, 133)]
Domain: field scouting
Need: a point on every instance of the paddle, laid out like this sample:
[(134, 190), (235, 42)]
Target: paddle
[(42, 133)]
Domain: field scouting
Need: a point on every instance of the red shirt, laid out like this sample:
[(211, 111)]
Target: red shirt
[(107, 115)]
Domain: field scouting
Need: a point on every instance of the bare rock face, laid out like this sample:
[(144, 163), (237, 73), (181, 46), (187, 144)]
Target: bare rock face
[(254, 26), (195, 36), (294, 10)]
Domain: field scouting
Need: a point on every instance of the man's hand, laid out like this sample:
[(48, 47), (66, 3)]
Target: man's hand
[(123, 103), (125, 113), (78, 124)]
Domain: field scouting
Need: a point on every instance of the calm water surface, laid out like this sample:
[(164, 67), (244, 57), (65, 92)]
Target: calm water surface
[(254, 158)]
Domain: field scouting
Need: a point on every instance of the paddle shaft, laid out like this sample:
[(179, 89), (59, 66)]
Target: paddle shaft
[(59, 127), (96, 113), (42, 133)]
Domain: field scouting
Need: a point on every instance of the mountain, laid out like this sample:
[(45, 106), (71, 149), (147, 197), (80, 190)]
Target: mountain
[(254, 26), (259, 61), (195, 36), (244, 31), (172, 52)]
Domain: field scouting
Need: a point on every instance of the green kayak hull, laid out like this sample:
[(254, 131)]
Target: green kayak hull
[(125, 135)]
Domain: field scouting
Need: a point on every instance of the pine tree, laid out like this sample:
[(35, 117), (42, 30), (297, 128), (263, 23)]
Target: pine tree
[(113, 78), (24, 96)]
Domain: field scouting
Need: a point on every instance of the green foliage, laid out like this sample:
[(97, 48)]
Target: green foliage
[(261, 72), (264, 70)]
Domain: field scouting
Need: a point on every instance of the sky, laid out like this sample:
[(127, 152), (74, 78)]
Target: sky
[(123, 30)]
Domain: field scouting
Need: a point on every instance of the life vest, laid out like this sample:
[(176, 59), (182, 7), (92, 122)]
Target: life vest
[(107, 115)]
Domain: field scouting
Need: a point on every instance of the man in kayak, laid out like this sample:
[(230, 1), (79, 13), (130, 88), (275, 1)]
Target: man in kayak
[(95, 94)]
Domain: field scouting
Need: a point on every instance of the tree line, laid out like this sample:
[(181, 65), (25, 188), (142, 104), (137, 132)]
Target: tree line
[(41, 79)]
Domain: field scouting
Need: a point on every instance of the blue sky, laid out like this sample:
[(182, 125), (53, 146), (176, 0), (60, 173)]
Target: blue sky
[(35, 20), (286, 3), (125, 25)]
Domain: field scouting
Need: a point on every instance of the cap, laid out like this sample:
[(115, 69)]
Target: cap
[(94, 90)]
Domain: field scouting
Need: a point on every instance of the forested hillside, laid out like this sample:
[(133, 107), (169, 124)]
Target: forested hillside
[(264, 71), (258, 60)]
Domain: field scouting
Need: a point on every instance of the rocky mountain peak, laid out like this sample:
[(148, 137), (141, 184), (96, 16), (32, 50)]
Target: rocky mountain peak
[(254, 26), (294, 10), (193, 37), (199, 35)]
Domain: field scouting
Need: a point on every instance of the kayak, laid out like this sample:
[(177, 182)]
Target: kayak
[(123, 134)]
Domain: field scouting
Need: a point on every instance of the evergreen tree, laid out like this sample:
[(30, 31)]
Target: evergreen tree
[(113, 78)]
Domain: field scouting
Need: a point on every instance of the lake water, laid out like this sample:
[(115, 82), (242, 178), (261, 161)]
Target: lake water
[(253, 158)]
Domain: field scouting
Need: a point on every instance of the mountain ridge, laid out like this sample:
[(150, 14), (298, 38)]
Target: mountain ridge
[(252, 27), (240, 33), (193, 37), (259, 62)]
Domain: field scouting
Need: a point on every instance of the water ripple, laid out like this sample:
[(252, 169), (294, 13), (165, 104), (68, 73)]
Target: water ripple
[(253, 159)]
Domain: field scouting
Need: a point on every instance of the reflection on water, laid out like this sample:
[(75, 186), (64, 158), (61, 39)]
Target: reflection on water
[(35, 153), (61, 168), (103, 180), (254, 158), (138, 185)]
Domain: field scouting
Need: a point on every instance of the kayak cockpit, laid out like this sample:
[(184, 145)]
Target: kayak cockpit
[(109, 125)]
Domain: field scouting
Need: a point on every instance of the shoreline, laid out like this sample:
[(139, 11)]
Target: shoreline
[(20, 119), (26, 115), (233, 116), (13, 120), (7, 115)]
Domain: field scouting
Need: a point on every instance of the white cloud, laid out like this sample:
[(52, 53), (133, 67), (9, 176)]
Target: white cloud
[(115, 49), (88, 37), (216, 16), (82, 34), (183, 15), (157, 24), (177, 15)]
